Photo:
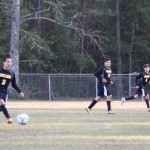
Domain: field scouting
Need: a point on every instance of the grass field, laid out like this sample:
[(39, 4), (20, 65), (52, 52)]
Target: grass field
[(66, 126)]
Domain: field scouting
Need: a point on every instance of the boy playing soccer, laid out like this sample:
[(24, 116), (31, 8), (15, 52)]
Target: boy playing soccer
[(141, 80), (103, 75), (7, 77)]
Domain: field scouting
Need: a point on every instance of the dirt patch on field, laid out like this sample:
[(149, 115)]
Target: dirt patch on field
[(74, 105)]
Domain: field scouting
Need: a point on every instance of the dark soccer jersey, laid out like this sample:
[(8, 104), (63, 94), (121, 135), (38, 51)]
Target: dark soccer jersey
[(103, 73), (142, 79), (7, 76)]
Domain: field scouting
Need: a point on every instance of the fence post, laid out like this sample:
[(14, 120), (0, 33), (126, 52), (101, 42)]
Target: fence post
[(96, 86), (129, 84), (49, 87)]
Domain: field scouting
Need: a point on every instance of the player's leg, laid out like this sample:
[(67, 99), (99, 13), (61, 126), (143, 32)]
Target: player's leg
[(4, 109), (98, 98), (123, 99), (138, 92), (147, 103), (108, 101), (146, 97), (3, 100)]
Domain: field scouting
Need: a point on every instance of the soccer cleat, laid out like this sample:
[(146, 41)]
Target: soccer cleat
[(148, 109), (122, 100), (111, 112), (88, 110), (9, 121)]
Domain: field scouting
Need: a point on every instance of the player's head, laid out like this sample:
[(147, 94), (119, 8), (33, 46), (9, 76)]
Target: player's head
[(7, 62), (107, 62), (146, 68)]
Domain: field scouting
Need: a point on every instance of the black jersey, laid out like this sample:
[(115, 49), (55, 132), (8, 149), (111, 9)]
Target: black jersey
[(142, 79), (103, 73), (7, 76)]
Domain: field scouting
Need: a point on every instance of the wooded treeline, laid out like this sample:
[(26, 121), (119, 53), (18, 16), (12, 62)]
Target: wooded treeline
[(74, 36)]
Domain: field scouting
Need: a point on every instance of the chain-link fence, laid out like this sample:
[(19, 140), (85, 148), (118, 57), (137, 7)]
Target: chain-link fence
[(70, 86)]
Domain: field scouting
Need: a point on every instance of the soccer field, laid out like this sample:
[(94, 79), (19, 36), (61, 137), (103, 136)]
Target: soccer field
[(67, 126)]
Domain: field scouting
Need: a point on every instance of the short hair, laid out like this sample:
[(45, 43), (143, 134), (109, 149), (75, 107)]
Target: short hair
[(6, 57), (107, 59), (145, 66)]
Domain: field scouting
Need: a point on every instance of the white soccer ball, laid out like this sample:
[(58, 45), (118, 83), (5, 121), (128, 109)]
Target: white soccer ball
[(22, 119)]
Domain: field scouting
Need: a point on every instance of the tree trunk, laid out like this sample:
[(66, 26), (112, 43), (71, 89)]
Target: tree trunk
[(131, 47), (39, 22), (14, 42), (118, 37), (83, 27)]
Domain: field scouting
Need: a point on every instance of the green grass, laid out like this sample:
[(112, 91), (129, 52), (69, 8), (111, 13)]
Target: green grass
[(66, 129)]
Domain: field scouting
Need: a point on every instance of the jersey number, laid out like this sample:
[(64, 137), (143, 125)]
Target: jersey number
[(3, 82)]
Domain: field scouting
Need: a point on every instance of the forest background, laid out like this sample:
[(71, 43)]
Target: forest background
[(74, 36)]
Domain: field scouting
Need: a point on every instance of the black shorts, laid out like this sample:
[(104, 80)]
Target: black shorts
[(141, 91), (103, 91), (3, 96)]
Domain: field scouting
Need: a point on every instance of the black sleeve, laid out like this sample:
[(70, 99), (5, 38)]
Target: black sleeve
[(137, 82), (14, 84), (99, 73)]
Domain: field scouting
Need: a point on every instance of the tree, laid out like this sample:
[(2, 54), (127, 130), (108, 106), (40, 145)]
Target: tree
[(74, 35), (5, 8), (53, 12), (14, 42), (118, 36), (135, 28), (118, 41)]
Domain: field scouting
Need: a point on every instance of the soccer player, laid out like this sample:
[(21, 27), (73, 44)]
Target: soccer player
[(103, 75), (141, 80), (7, 76)]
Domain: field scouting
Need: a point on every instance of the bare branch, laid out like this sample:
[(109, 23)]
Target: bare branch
[(56, 7), (35, 41), (36, 14), (95, 38), (5, 7)]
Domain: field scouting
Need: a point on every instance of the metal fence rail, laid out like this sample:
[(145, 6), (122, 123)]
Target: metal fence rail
[(69, 86)]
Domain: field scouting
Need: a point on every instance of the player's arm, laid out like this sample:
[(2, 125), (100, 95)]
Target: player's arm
[(15, 86), (100, 75), (111, 82), (137, 80), (149, 80)]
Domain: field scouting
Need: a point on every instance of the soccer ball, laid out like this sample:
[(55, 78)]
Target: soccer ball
[(22, 119)]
